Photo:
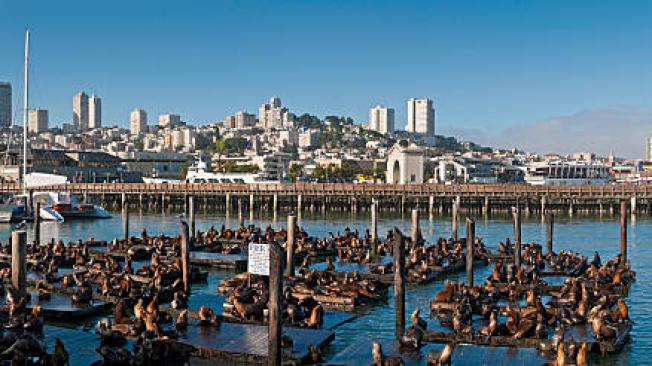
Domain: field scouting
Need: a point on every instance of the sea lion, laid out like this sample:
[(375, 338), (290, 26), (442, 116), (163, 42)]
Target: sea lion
[(582, 354)]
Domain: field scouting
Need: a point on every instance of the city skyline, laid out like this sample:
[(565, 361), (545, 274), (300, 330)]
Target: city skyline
[(485, 78)]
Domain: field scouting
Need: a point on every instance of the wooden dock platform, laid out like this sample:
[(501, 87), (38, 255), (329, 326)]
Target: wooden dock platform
[(359, 353), (247, 343)]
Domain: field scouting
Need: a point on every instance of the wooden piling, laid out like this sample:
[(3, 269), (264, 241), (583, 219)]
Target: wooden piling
[(275, 203), (623, 232), (240, 217), (125, 220), (550, 223), (185, 256), (516, 213), (454, 219), (275, 306), (191, 215), (399, 282), (415, 226), (18, 259), (37, 223), (374, 229), (470, 241), (289, 246)]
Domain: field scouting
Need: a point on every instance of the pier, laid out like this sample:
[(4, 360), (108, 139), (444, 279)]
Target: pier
[(480, 198)]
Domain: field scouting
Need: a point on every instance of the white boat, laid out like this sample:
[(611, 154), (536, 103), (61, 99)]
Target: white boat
[(61, 206), (199, 173)]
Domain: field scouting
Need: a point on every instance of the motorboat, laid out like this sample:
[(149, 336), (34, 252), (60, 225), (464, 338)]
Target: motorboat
[(61, 206), (15, 209)]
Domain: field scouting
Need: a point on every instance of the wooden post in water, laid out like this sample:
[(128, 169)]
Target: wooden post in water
[(550, 224), (191, 215), (470, 241), (18, 268), (125, 219), (454, 218), (275, 306), (623, 232), (275, 203), (415, 226), (516, 213), (227, 203), (185, 256), (37, 223), (240, 217), (399, 282), (289, 246), (374, 229)]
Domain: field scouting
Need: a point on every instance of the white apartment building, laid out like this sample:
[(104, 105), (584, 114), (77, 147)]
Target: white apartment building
[(38, 120), (244, 120), (169, 120), (80, 117), (138, 122), (273, 115), (94, 112), (420, 117), (381, 119)]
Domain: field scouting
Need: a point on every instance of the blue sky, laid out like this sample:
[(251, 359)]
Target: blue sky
[(490, 66)]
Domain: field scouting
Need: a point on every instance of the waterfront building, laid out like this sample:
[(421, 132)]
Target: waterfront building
[(138, 122), (5, 104), (420, 117), (80, 117), (94, 112), (381, 119), (38, 120), (169, 120), (405, 163)]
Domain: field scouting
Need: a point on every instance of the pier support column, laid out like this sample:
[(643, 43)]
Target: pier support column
[(274, 330), (623, 232), (227, 202), (571, 209), (125, 220), (543, 206), (289, 246), (185, 256), (516, 213), (191, 216), (251, 208), (275, 203), (299, 199), (415, 226), (431, 204), (470, 242), (37, 223), (124, 200), (550, 224), (374, 228), (240, 217), (632, 204), (454, 218), (18, 259), (85, 197), (485, 206), (399, 282)]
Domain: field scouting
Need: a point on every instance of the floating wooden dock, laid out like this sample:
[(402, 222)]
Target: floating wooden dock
[(247, 343), (359, 353)]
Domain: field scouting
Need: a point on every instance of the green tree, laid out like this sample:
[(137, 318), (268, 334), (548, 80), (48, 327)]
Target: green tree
[(296, 171)]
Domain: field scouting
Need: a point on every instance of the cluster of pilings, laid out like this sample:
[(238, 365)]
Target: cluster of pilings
[(311, 203)]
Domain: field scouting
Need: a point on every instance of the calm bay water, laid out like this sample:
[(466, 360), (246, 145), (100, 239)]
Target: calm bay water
[(583, 234)]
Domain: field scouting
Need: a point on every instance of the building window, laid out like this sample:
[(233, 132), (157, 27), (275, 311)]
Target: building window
[(413, 178)]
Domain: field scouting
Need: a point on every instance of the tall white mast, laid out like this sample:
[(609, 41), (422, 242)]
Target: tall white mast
[(25, 111)]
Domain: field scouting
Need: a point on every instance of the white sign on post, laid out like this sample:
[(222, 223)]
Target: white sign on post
[(258, 262)]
